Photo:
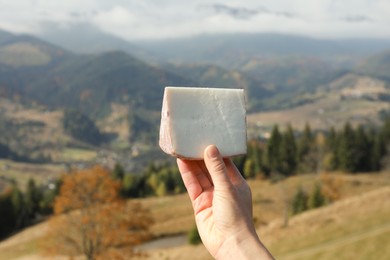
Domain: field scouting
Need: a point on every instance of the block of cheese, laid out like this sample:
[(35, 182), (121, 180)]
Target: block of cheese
[(193, 118)]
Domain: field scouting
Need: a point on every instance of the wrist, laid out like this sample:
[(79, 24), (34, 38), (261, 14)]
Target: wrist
[(245, 245)]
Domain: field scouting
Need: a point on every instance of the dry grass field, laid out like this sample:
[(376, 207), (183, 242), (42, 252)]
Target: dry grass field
[(355, 227), (22, 172), (351, 98)]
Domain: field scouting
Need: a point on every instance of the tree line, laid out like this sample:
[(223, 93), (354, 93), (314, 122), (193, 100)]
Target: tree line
[(287, 152), (20, 209), (155, 180)]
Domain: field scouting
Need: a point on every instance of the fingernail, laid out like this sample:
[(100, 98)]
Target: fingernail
[(213, 152)]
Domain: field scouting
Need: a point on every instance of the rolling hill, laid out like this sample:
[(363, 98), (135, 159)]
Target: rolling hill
[(280, 62), (33, 71), (357, 226), (22, 50), (353, 98), (216, 76), (54, 77)]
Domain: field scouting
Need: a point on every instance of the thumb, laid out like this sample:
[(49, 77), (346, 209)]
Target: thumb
[(217, 168)]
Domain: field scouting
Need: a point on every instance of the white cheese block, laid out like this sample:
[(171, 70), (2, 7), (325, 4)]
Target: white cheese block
[(193, 118)]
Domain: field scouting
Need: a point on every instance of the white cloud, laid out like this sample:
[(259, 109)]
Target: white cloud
[(174, 18)]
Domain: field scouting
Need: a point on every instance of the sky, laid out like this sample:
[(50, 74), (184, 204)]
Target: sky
[(158, 19)]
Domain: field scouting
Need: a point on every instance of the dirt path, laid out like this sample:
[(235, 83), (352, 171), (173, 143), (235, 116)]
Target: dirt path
[(162, 243), (356, 236)]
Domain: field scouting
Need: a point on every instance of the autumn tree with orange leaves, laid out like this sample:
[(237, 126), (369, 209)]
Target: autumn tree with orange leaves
[(91, 218)]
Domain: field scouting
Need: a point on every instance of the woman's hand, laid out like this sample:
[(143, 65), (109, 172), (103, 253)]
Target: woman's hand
[(222, 203)]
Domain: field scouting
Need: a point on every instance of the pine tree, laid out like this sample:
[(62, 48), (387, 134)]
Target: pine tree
[(362, 147), (257, 155), (18, 205), (316, 198), (33, 197), (332, 144), (306, 152), (7, 223), (347, 149), (385, 130), (299, 202), (378, 151), (272, 156), (288, 153), (305, 143)]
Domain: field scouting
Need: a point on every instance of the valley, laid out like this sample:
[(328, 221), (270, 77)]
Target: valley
[(72, 106)]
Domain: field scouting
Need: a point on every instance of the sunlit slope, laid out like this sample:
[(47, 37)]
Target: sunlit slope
[(356, 227), (354, 98)]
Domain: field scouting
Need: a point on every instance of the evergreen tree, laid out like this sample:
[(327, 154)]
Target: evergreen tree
[(363, 150), (316, 198), (256, 157), (332, 144), (7, 223), (299, 202), (385, 130), (272, 155), (305, 143), (347, 149), (378, 151), (18, 205), (33, 197), (288, 153)]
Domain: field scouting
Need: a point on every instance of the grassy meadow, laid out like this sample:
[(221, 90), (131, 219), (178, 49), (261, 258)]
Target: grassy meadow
[(354, 227)]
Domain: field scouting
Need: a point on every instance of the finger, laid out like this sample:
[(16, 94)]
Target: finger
[(233, 173), (203, 167), (194, 179), (216, 167)]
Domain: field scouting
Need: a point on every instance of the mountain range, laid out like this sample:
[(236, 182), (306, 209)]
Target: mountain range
[(280, 62), (96, 72)]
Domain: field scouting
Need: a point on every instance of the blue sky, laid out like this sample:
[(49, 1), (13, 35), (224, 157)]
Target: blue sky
[(146, 19)]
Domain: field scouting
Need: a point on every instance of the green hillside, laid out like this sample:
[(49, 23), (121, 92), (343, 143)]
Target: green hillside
[(24, 51), (54, 77), (216, 76), (91, 82), (292, 74), (33, 71)]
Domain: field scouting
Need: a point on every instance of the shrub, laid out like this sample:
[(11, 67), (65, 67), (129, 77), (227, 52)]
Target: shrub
[(194, 237)]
